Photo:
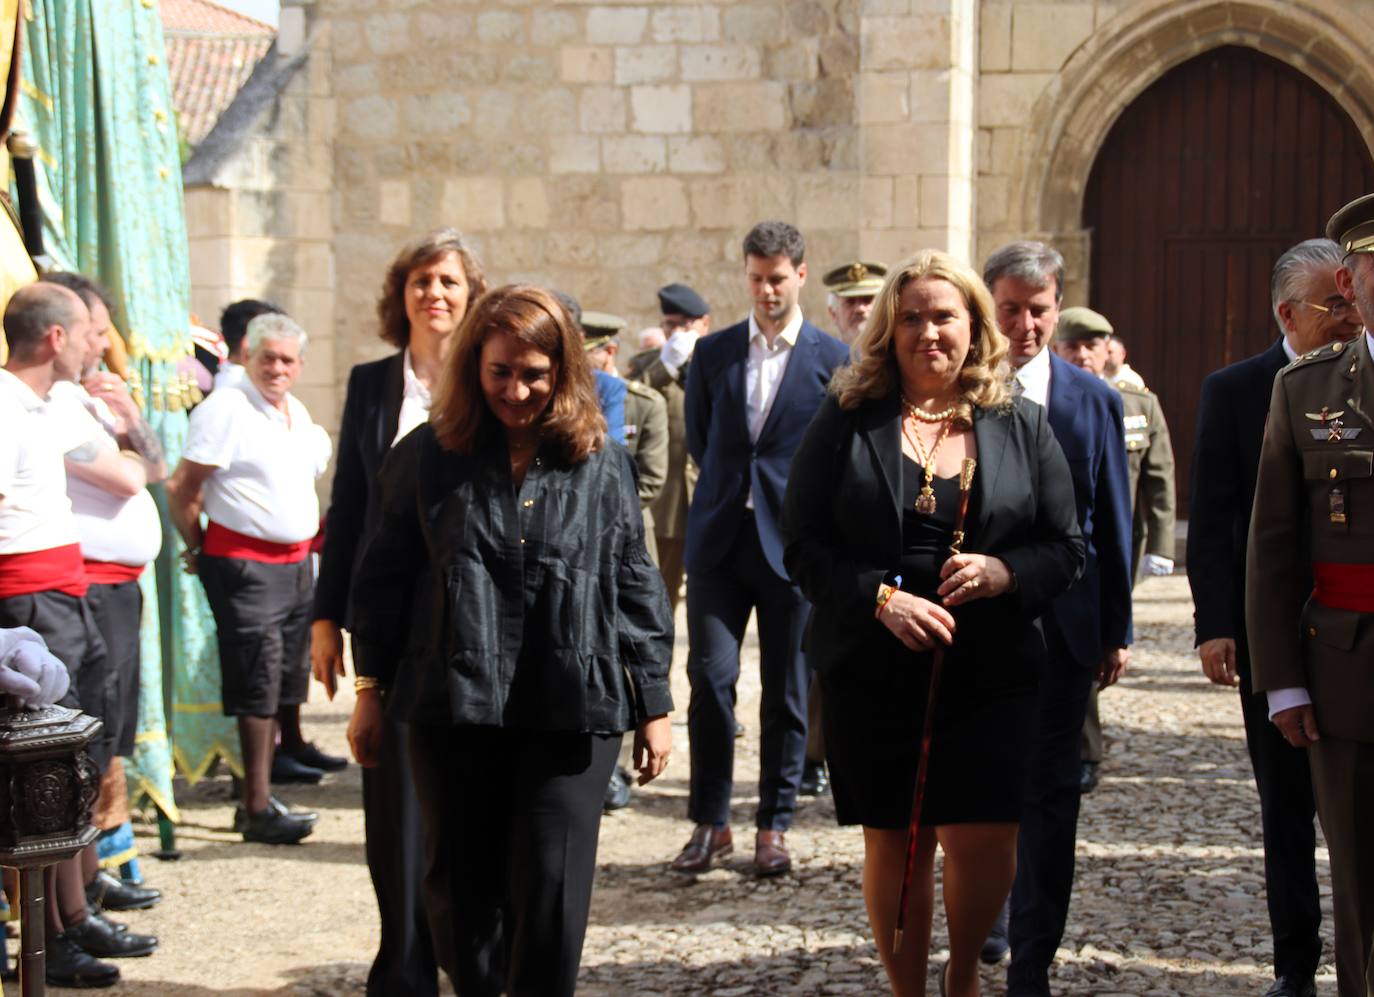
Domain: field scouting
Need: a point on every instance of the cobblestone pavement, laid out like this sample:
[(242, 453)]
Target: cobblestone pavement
[(1169, 897)]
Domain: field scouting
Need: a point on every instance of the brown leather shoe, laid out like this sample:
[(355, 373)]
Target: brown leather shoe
[(770, 854), (707, 846)]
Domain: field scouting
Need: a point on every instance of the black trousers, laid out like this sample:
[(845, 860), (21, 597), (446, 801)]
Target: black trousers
[(1287, 811), (262, 627), (66, 624), (511, 820), (1049, 820), (395, 845), (118, 612), (718, 605)]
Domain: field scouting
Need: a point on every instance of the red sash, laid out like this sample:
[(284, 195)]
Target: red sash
[(112, 573), (59, 569), (220, 541), (1344, 586)]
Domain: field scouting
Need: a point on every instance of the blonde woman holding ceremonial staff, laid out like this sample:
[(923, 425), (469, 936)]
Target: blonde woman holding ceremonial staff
[(869, 516)]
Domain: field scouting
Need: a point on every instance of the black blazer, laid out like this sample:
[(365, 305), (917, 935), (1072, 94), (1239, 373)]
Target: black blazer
[(372, 411), (538, 608), (1226, 455), (842, 522)]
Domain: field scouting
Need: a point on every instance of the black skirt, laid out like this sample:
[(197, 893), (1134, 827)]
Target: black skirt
[(873, 718)]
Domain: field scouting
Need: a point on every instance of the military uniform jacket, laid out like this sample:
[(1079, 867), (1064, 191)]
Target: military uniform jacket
[(670, 507), (1150, 464), (646, 437), (1314, 503)]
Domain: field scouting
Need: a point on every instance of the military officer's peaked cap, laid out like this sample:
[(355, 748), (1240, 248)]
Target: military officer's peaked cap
[(679, 299), (860, 279), (1082, 323), (600, 328), (1353, 226)]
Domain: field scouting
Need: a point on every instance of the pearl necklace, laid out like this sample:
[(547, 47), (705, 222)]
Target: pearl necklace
[(916, 412)]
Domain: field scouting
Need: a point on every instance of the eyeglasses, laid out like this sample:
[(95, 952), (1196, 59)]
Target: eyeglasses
[(1340, 312)]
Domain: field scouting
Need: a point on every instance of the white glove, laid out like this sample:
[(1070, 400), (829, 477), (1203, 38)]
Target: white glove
[(29, 670), (1156, 565), (678, 350)]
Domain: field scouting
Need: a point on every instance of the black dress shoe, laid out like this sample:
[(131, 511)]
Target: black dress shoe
[(312, 757), (1087, 778), (814, 781), (617, 793), (108, 892), (285, 769), (270, 827), (99, 937), (69, 965), (707, 846), (1291, 986), (996, 947), (241, 815)]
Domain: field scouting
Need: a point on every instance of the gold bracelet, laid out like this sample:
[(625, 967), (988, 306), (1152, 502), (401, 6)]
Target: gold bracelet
[(885, 594), (361, 682)]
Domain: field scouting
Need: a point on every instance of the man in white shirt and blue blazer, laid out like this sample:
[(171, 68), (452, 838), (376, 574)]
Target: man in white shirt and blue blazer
[(751, 392)]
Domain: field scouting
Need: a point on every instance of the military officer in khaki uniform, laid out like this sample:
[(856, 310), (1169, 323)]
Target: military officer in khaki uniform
[(1081, 339), (850, 290), (1312, 649), (686, 318), (646, 416)]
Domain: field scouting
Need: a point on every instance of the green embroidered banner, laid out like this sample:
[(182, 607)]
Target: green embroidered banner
[(96, 98)]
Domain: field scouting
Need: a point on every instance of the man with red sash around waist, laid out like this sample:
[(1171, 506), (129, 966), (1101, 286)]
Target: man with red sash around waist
[(251, 459), (1314, 502), (43, 583), (115, 454)]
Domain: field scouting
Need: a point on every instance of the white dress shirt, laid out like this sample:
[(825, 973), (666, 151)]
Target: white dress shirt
[(766, 366), (1034, 378), (763, 373), (415, 402), (266, 460), (1287, 699)]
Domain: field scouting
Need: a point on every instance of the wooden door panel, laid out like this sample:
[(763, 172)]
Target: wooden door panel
[(1216, 169)]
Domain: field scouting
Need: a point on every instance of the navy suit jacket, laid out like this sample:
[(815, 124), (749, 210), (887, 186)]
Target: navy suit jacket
[(732, 466), (1085, 414), (1226, 456)]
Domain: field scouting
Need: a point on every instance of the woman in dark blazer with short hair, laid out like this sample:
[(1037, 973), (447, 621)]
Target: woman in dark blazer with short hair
[(424, 297), (868, 520)]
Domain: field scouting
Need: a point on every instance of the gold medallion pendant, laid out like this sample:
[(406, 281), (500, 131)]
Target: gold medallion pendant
[(925, 502)]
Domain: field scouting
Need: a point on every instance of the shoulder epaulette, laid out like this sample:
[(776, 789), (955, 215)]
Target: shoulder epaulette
[(1330, 351)]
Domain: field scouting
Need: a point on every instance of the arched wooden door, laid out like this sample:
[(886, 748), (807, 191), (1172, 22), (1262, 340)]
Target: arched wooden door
[(1222, 164)]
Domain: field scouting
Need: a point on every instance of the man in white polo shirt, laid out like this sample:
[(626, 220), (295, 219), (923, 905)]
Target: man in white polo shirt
[(250, 464), (43, 580)]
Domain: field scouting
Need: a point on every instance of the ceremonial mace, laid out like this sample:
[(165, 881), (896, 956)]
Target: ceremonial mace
[(937, 664)]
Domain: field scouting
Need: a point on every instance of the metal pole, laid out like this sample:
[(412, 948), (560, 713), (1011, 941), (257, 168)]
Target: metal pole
[(33, 928)]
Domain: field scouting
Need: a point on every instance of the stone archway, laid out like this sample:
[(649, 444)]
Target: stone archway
[(1072, 118)]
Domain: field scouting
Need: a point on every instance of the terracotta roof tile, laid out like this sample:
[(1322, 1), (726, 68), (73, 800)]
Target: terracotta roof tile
[(205, 17), (211, 51)]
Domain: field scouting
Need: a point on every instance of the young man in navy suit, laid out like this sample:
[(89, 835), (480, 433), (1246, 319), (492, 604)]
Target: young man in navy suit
[(1088, 631), (1311, 313), (751, 392)]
